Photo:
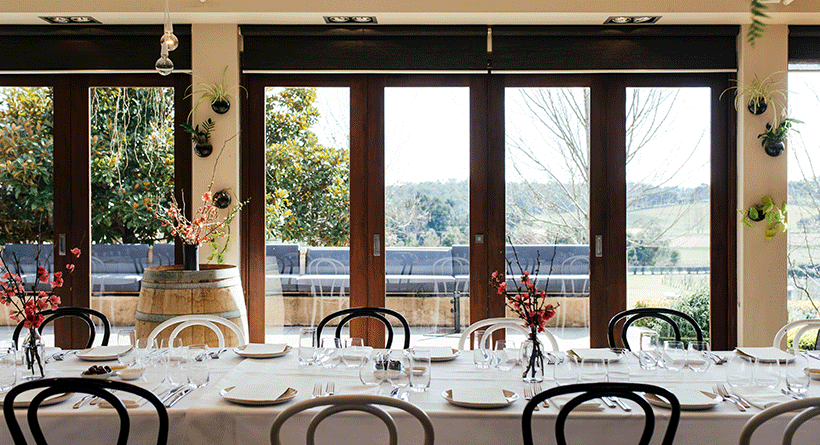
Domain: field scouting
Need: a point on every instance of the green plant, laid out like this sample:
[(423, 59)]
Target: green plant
[(202, 136), (757, 27), (213, 92), (694, 303), (767, 210), (758, 94), (778, 132)]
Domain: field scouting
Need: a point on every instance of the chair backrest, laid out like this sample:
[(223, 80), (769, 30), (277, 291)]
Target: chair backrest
[(589, 391), (353, 402), (209, 321), (813, 409), (633, 315), (503, 322), (802, 327), (83, 313), (369, 312), (100, 388)]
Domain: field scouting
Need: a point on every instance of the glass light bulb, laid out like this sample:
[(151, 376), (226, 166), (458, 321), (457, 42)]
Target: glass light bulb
[(164, 65), (169, 39)]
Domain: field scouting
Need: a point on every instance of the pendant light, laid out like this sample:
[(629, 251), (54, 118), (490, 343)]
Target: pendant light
[(168, 42)]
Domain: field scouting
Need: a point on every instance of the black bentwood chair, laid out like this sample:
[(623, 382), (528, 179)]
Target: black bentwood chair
[(100, 388), (370, 312), (353, 402), (589, 391), (82, 313), (813, 410), (633, 315)]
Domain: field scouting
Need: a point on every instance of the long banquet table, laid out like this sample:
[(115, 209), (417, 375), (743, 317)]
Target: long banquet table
[(205, 417)]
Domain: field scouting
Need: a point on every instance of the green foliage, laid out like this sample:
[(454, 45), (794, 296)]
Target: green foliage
[(767, 210), (650, 251), (757, 27), (200, 136), (429, 214), (307, 184), (779, 132), (695, 303)]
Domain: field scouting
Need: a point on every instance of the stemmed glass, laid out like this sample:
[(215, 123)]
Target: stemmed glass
[(127, 337)]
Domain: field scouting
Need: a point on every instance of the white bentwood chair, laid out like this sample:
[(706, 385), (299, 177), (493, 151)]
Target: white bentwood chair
[(209, 321), (353, 402), (493, 324), (812, 406), (802, 327)]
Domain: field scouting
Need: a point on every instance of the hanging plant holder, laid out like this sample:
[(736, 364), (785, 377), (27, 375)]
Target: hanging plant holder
[(203, 150), (774, 148), (222, 199), (758, 107), (220, 106)]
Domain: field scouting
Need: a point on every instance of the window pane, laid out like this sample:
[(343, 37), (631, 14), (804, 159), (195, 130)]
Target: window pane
[(132, 169), (27, 179), (547, 202), (668, 170), (427, 207), (307, 198), (804, 200)]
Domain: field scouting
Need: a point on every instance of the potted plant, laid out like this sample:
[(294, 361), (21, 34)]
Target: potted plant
[(772, 139), (217, 93), (201, 137), (759, 95), (766, 210)]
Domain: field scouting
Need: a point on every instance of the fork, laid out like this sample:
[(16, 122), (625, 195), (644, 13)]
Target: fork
[(537, 390), (317, 391), (735, 396), (528, 396), (330, 388), (725, 396), (216, 354)]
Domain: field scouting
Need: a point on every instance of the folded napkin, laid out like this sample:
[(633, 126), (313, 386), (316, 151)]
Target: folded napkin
[(104, 351), (439, 351), (589, 405), (131, 400), (257, 391), (765, 354), (26, 397), (597, 355), (478, 395), (263, 348), (761, 396)]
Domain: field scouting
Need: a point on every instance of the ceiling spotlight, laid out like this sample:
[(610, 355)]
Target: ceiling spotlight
[(59, 19), (337, 19), (81, 19), (363, 19), (631, 20), (71, 20), (356, 19)]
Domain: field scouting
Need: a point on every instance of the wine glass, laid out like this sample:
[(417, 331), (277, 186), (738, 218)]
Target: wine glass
[(698, 356), (127, 340), (565, 370), (797, 373), (767, 373), (674, 355), (739, 372), (373, 370)]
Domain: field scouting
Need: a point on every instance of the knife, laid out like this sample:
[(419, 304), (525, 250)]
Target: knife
[(621, 403), (179, 397), (172, 393)]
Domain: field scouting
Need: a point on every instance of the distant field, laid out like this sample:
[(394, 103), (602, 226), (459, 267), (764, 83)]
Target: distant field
[(655, 287)]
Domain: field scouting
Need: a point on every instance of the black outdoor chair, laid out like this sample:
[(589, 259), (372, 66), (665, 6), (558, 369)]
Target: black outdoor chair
[(82, 313), (633, 315), (100, 388), (589, 391), (370, 312)]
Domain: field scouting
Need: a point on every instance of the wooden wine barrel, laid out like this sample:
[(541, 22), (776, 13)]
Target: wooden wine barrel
[(169, 291)]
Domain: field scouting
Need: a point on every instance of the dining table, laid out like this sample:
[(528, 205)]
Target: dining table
[(205, 416)]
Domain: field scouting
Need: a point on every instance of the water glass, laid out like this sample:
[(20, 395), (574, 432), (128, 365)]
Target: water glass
[(674, 355), (145, 349), (482, 355), (8, 368), (307, 346), (353, 353), (698, 356), (127, 356), (329, 355), (505, 355), (797, 374), (617, 369), (420, 369), (593, 371), (565, 370), (177, 372), (739, 372), (373, 370), (649, 350), (767, 373), (398, 368), (155, 368), (198, 366)]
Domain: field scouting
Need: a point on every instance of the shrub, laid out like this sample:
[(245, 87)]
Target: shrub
[(695, 304)]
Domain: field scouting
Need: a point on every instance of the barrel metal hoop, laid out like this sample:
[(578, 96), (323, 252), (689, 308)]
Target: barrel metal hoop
[(159, 318), (226, 283)]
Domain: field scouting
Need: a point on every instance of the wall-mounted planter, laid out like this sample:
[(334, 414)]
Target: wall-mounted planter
[(758, 107), (220, 106), (774, 148), (203, 150), (222, 199)]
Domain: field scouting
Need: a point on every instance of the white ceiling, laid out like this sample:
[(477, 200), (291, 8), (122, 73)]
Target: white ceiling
[(592, 12)]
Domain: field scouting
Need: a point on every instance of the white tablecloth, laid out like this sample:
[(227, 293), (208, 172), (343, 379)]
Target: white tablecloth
[(205, 417)]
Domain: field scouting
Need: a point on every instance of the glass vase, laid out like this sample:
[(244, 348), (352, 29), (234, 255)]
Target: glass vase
[(33, 351), (532, 357), (190, 256)]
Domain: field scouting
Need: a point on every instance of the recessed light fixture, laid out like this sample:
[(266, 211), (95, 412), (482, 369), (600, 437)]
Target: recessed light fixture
[(631, 20), (350, 19), (71, 20)]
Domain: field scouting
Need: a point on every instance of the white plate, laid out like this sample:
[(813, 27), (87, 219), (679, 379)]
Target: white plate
[(689, 399), (239, 350), (445, 358), (765, 354), (23, 400), (96, 376), (102, 353), (511, 397), (288, 395), (814, 373), (597, 355)]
